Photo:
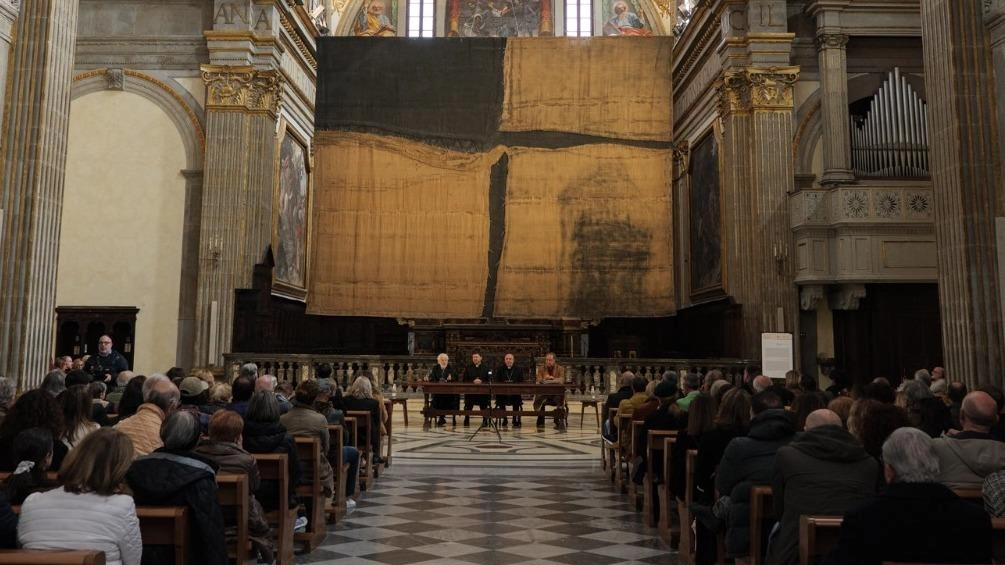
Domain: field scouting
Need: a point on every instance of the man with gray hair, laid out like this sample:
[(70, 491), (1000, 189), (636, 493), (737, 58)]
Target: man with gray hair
[(692, 388), (916, 519), (249, 370), (160, 398), (966, 458), (54, 382), (268, 383)]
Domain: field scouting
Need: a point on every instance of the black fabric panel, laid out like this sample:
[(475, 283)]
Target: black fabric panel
[(497, 230), (439, 88)]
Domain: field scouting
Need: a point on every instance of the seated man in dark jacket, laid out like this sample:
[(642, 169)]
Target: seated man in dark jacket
[(175, 476), (824, 470), (916, 519), (750, 461)]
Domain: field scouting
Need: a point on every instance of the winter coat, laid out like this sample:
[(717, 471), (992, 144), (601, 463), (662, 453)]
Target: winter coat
[(914, 523), (968, 457), (711, 446), (231, 458), (750, 461), (305, 421), (825, 471), (271, 437), (167, 478), (57, 519), (8, 525), (144, 428)]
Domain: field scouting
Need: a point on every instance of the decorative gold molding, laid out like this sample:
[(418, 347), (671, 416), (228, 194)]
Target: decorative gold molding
[(301, 46), (756, 88), (734, 93), (241, 88), (831, 41)]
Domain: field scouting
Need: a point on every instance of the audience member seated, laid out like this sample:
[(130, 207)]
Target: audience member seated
[(651, 405), (7, 390), (872, 421), (269, 383), (692, 386), (614, 401), (668, 416), (219, 398), (994, 494), (194, 395), (792, 379), (77, 377), (115, 396), (879, 389), (916, 519), (303, 420), (842, 407), (99, 405), (359, 397), (840, 383), (160, 398), (969, 456), (808, 383), (627, 407), (8, 524), (91, 510), (132, 397), (824, 470), (174, 475), (77, 411), (34, 409), (204, 374), (329, 404), (956, 392), (761, 383), (995, 392), (749, 461), (700, 420), (926, 412), (224, 448), (33, 452), (732, 420), (241, 391), (323, 374), (719, 389), (264, 434), (806, 404)]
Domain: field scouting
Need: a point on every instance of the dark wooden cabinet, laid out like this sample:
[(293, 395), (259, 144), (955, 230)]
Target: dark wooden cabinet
[(79, 327)]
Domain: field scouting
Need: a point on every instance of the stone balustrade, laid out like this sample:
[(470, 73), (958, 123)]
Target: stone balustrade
[(408, 371)]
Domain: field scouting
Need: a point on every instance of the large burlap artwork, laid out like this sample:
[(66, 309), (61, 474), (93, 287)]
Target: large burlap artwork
[(457, 200)]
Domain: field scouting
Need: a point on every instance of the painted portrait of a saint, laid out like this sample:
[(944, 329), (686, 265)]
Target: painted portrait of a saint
[(291, 229)]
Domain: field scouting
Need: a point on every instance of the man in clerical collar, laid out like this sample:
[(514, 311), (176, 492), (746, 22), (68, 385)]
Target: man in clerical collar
[(476, 373), (509, 372)]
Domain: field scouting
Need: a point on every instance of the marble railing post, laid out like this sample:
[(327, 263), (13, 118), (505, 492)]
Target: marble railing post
[(34, 137), (236, 223), (967, 180)]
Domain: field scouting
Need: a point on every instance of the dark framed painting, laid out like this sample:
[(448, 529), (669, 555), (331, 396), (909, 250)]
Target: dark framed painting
[(621, 18), (290, 215), (499, 18), (706, 218)]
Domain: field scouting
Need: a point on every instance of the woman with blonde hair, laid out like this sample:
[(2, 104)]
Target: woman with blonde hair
[(91, 510), (359, 397)]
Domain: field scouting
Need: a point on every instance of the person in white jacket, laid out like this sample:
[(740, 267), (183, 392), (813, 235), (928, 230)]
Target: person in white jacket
[(88, 512)]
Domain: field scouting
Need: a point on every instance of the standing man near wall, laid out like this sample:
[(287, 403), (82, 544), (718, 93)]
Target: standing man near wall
[(106, 365)]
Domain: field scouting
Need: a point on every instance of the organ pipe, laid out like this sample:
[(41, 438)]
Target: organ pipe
[(891, 140)]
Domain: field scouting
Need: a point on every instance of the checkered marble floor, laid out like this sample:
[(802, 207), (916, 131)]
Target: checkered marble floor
[(411, 517)]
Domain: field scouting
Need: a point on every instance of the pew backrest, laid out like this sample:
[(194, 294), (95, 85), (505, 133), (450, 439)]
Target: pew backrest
[(761, 510), (51, 557), (232, 493)]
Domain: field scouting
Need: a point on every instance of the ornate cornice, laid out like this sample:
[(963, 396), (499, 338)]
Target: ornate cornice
[(298, 41), (831, 41), (241, 88)]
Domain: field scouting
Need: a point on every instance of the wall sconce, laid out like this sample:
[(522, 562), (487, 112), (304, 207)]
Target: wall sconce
[(781, 255), (215, 248)]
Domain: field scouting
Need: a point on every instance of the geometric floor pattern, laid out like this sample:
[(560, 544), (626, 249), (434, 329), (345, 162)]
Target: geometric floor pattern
[(548, 520)]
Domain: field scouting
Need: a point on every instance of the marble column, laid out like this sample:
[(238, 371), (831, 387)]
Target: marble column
[(967, 179), (833, 61), (8, 15), (236, 219), (35, 127), (188, 295), (994, 19)]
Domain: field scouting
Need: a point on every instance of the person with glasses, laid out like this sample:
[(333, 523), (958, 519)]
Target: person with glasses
[(106, 365)]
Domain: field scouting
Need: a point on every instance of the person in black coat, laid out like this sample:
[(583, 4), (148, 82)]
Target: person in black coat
[(264, 434), (105, 365), (443, 372), (509, 372), (175, 476), (613, 400), (359, 397), (477, 373), (916, 519), (8, 525)]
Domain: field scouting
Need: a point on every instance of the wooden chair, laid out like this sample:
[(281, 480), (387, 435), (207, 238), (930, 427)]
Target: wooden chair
[(310, 492), (817, 536), (390, 425), (232, 493), (335, 442), (652, 504), (404, 407), (51, 557), (611, 448), (165, 526), (363, 441), (665, 524), (762, 513), (273, 467), (686, 547)]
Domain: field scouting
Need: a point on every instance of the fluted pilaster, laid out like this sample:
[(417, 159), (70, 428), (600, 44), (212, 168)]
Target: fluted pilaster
[(8, 15), (834, 107), (34, 158), (966, 177), (236, 219), (756, 108)]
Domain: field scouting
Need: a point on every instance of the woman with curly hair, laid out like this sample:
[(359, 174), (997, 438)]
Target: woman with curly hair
[(33, 409)]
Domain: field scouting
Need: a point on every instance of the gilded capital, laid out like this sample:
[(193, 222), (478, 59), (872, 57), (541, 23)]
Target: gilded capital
[(244, 89), (831, 41), (771, 88), (734, 92)]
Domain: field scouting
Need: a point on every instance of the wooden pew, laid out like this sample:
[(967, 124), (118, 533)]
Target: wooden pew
[(652, 503), (273, 467), (625, 446), (363, 441), (390, 420), (310, 492), (818, 535), (686, 546), (165, 526), (637, 447), (762, 514), (232, 493), (335, 442), (611, 448), (51, 557), (665, 524)]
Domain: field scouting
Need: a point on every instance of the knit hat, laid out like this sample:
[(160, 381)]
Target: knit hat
[(193, 386)]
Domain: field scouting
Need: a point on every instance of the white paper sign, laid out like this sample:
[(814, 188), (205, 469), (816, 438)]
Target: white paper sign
[(776, 354)]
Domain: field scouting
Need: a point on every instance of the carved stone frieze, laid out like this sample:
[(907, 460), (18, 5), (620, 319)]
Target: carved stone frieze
[(831, 41), (772, 87), (241, 88)]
